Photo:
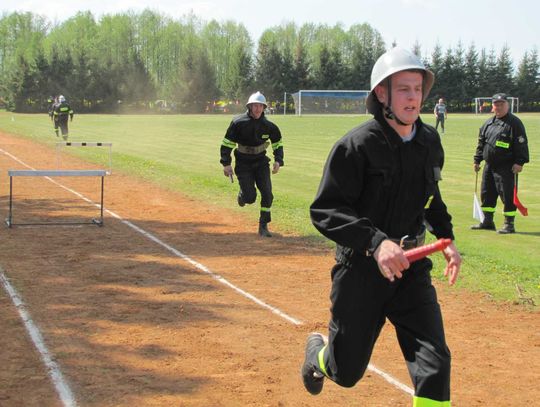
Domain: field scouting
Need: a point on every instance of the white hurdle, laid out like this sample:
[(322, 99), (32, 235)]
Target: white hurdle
[(84, 144), (55, 173)]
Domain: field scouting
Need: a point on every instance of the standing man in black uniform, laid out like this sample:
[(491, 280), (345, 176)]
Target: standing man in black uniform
[(251, 133), (378, 193), (502, 144)]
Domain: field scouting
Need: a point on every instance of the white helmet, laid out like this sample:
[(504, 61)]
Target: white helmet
[(61, 98), (257, 97), (391, 62)]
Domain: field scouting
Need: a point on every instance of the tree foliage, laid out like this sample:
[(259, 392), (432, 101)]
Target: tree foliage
[(129, 61)]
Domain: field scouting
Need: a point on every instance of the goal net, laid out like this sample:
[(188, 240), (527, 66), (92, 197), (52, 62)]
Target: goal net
[(330, 101), (483, 105)]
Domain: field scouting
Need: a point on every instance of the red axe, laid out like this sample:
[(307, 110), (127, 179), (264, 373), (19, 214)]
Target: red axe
[(518, 204)]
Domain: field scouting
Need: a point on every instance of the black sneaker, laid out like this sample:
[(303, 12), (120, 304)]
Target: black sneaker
[(313, 378), (240, 200)]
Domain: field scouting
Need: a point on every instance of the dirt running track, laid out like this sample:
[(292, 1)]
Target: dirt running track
[(130, 323)]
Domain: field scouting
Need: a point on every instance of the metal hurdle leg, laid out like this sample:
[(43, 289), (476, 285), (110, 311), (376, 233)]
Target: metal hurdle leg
[(56, 173), (99, 221), (8, 220)]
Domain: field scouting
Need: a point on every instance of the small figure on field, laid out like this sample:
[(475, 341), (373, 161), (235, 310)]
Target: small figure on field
[(51, 100), (379, 191), (250, 134), (61, 112), (502, 144), (441, 113)]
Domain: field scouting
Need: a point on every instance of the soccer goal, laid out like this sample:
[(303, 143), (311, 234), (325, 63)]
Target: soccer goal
[(483, 105), (330, 101)]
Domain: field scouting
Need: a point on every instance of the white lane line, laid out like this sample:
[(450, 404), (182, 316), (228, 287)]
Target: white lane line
[(219, 278), (62, 388)]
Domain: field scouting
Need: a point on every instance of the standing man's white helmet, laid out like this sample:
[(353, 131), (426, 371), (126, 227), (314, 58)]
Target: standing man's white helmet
[(257, 97), (391, 62), (61, 98)]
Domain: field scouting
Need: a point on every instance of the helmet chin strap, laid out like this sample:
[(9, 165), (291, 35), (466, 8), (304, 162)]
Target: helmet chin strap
[(388, 113)]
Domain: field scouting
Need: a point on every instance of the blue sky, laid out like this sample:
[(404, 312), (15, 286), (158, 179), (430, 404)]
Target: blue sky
[(489, 24)]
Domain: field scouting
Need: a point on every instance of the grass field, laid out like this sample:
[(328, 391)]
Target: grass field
[(182, 153)]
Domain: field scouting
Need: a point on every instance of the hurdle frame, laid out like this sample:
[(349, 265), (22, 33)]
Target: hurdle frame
[(84, 144), (55, 173)]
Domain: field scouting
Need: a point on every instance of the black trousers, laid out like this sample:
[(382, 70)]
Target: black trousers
[(498, 182), (62, 122), (253, 174), (440, 119), (362, 299)]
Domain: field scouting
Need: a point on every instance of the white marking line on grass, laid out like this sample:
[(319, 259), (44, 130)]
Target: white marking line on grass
[(62, 388), (206, 270)]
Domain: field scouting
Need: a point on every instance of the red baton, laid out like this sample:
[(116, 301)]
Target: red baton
[(423, 251)]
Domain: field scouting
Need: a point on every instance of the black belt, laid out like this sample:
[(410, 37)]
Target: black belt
[(407, 243)]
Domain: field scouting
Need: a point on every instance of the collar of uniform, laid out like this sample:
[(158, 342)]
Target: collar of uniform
[(395, 137), (420, 136)]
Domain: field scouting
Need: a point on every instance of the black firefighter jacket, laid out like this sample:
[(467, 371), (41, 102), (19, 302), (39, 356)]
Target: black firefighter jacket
[(376, 186)]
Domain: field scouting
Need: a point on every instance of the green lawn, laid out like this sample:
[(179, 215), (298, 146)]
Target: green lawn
[(182, 153)]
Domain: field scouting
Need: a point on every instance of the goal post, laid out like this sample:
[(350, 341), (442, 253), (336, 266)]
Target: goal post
[(484, 104), (330, 101)]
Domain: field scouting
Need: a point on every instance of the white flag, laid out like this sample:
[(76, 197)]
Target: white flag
[(477, 210)]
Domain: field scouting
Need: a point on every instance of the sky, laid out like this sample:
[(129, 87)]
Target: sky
[(487, 24)]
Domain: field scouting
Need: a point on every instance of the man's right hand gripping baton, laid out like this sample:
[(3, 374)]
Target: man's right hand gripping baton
[(423, 251)]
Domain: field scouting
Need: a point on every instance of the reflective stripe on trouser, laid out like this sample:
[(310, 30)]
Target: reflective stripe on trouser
[(320, 360), (410, 304), (498, 182), (265, 215), (253, 175), (424, 402)]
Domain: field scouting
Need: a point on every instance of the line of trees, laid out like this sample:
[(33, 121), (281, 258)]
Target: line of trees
[(128, 61)]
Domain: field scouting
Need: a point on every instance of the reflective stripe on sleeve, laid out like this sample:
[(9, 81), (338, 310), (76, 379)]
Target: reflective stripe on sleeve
[(228, 143)]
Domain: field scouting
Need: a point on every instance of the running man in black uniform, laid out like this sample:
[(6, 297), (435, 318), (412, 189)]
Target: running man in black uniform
[(250, 134), (378, 194), (62, 112)]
